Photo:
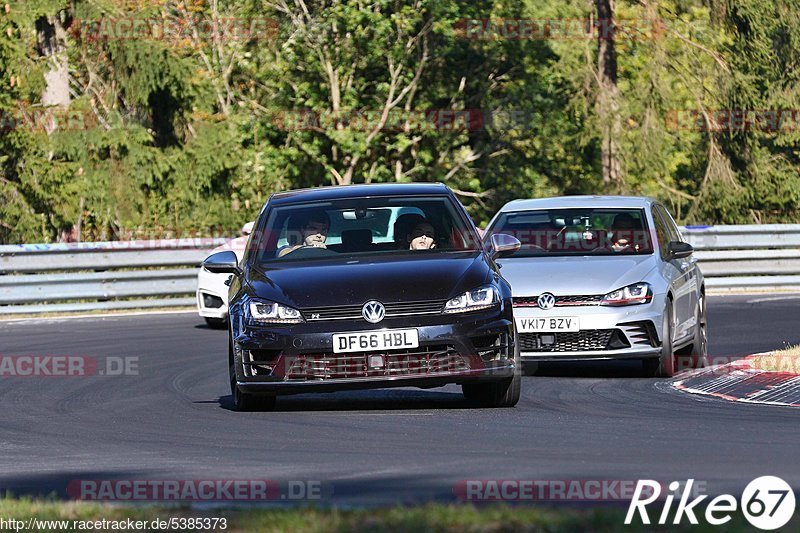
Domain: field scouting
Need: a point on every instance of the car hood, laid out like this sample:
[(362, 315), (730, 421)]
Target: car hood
[(575, 275), (323, 283)]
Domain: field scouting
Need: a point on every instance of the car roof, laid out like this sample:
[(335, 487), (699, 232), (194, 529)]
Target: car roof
[(567, 202), (320, 194)]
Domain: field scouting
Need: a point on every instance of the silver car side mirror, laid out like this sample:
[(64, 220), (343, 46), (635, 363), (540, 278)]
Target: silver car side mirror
[(504, 245), (679, 250)]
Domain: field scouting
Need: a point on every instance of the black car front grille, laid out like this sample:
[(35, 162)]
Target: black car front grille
[(425, 361), (432, 307), (561, 301), (579, 341)]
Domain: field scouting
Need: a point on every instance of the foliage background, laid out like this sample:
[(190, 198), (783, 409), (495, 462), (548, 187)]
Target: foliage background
[(190, 134)]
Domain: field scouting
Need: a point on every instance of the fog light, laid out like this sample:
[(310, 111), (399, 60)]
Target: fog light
[(212, 302)]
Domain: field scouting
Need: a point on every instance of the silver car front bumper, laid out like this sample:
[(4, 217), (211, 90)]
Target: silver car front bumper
[(606, 333)]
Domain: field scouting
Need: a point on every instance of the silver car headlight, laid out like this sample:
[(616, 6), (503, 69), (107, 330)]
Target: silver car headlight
[(474, 300), (638, 293), (266, 312)]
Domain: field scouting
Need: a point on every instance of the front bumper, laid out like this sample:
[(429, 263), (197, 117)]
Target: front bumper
[(606, 333), (296, 359), (280, 387), (212, 294)]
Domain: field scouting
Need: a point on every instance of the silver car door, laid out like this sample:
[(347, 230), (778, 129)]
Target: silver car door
[(671, 273), (679, 272), (689, 267)]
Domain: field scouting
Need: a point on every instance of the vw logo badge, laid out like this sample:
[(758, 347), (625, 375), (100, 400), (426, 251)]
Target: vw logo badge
[(373, 312), (546, 301)]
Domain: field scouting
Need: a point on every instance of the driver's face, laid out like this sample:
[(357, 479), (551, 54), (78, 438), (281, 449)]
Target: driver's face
[(315, 233)]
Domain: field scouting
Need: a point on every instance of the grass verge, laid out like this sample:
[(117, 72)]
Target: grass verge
[(431, 517), (786, 360)]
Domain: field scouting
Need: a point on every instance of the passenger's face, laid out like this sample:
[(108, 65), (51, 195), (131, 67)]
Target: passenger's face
[(315, 233), (421, 237)]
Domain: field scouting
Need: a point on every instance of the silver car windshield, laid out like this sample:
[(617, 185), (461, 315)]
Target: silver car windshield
[(359, 226), (548, 232)]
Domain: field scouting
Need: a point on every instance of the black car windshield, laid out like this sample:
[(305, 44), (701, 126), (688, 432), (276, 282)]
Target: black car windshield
[(361, 226), (548, 232)]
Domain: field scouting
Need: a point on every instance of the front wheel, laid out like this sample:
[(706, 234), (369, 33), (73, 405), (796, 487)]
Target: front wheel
[(503, 393), (664, 365), (243, 401), (216, 323)]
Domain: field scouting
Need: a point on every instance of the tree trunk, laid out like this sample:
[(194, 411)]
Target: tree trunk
[(53, 45), (608, 96)]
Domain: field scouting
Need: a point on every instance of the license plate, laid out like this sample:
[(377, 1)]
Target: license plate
[(370, 341), (550, 323)]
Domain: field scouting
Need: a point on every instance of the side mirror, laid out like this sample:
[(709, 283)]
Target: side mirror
[(504, 245), (679, 250), (222, 263), (247, 229)]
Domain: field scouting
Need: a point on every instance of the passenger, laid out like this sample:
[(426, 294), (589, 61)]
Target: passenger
[(313, 233), (421, 237)]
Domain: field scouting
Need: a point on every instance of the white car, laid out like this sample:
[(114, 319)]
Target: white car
[(212, 291)]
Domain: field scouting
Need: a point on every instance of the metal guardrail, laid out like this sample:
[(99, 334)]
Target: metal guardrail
[(762, 257), (37, 278)]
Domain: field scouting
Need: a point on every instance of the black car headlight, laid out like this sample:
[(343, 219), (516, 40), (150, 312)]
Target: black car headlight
[(266, 312), (474, 300), (638, 293)]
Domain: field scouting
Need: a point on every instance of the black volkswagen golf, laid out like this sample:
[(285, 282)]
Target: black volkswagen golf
[(369, 286)]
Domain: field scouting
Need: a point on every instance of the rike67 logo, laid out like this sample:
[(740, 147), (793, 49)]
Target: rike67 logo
[(767, 502)]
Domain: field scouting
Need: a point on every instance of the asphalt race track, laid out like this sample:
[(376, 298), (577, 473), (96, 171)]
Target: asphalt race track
[(173, 420)]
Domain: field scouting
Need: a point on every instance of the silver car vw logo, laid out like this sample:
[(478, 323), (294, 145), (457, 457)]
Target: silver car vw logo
[(373, 312), (546, 301)]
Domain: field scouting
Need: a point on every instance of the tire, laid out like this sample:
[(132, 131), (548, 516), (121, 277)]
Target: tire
[(243, 401), (664, 365), (695, 355), (700, 342), (504, 393), (216, 323)]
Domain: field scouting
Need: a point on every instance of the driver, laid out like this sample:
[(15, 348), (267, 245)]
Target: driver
[(623, 227), (313, 233)]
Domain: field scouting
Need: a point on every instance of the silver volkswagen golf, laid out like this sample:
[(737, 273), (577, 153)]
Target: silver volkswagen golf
[(603, 277)]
